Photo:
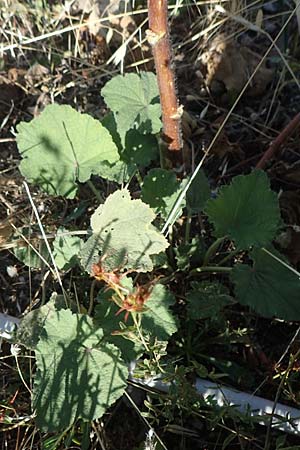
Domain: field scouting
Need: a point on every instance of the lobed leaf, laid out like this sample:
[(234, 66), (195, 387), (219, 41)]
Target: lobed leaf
[(269, 287), (78, 375), (134, 100), (246, 211), (123, 234), (61, 147)]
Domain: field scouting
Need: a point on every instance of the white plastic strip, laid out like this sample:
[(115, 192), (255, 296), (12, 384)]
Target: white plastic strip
[(7, 325), (285, 418)]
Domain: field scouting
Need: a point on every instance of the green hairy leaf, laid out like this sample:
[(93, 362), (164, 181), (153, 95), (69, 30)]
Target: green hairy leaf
[(78, 375), (207, 299), (269, 287), (138, 151), (161, 190), (246, 211), (32, 324), (123, 234), (65, 249), (134, 100), (158, 320), (61, 147)]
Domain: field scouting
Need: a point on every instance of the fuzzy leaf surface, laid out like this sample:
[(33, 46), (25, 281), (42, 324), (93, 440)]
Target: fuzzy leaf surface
[(32, 324), (158, 320), (77, 374), (160, 190), (270, 288), (138, 150), (122, 231), (65, 249), (206, 300), (246, 211), (134, 100), (61, 147)]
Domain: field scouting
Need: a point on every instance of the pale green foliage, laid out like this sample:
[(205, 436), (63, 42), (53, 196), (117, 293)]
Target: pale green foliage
[(246, 211), (160, 190), (137, 152), (123, 233), (134, 100), (269, 287), (32, 255), (158, 320), (78, 374), (198, 193), (107, 318), (206, 299), (32, 324), (65, 249), (61, 147)]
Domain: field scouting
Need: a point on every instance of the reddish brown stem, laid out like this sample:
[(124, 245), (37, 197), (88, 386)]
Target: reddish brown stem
[(276, 144), (159, 38)]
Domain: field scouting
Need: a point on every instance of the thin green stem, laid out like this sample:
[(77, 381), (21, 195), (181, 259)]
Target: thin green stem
[(91, 303), (188, 226), (228, 257), (139, 178), (95, 191), (212, 250), (133, 315), (215, 269)]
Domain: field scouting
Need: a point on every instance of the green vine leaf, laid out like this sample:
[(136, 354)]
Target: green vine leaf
[(158, 320), (269, 287), (134, 100), (161, 190), (206, 300), (61, 147), (246, 211), (78, 375), (123, 234)]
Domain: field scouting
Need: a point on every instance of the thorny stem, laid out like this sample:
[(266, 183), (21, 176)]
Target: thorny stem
[(159, 38)]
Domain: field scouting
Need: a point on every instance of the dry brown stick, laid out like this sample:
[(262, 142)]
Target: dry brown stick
[(276, 144), (159, 38)]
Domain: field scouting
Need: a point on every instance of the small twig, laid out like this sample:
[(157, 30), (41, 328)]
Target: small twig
[(159, 38), (277, 143)]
